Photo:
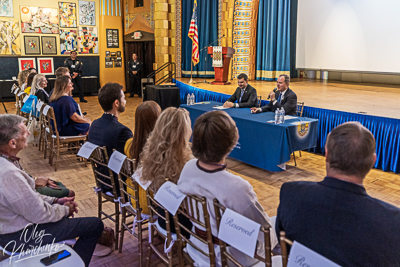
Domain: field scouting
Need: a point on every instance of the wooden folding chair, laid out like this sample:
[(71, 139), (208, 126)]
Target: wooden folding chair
[(195, 209), (299, 112), (284, 242), (225, 256), (57, 142), (127, 210), (168, 238), (42, 132), (259, 101), (99, 160)]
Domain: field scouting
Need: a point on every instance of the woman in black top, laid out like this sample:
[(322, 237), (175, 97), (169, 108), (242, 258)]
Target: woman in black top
[(39, 82)]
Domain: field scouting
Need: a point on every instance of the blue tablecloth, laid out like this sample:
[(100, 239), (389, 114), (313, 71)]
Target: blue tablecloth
[(261, 144)]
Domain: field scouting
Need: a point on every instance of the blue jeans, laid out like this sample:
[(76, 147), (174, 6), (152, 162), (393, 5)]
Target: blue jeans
[(88, 229)]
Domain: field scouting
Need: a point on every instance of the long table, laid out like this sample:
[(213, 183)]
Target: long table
[(263, 144)]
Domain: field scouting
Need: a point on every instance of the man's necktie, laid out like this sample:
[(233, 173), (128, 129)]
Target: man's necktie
[(240, 99), (279, 98)]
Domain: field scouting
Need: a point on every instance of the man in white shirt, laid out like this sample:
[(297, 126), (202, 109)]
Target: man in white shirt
[(283, 97)]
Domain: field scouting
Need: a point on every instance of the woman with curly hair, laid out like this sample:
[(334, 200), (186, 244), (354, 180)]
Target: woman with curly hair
[(22, 76), (165, 153)]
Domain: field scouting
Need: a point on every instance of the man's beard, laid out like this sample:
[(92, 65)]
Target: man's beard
[(121, 109)]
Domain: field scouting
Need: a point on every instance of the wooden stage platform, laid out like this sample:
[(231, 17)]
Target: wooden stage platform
[(371, 99)]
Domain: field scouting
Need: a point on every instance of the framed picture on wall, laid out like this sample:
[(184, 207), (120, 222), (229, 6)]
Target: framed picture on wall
[(32, 45), (45, 66), (26, 63), (112, 38), (117, 64), (49, 45)]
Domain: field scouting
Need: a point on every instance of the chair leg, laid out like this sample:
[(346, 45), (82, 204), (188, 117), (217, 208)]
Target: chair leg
[(140, 240), (148, 255), (99, 205), (294, 157), (116, 225), (58, 154), (300, 152), (121, 237)]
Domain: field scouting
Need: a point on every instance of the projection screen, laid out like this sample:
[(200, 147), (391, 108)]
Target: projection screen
[(349, 35)]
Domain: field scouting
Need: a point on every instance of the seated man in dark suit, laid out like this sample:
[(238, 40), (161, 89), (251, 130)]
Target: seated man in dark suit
[(283, 97), (106, 130), (336, 217), (245, 94)]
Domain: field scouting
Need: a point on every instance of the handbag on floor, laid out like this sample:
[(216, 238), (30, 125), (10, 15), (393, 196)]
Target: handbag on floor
[(107, 237)]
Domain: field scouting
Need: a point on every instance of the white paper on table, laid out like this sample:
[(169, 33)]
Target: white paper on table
[(137, 175), (288, 117), (170, 197), (46, 109), (300, 255), (87, 150), (25, 98), (20, 93), (39, 105), (239, 232), (220, 107), (116, 160)]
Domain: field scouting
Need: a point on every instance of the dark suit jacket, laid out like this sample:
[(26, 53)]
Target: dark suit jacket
[(135, 66), (340, 221), (289, 103), (107, 131), (249, 98)]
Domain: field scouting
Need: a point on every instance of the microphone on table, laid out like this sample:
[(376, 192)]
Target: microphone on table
[(275, 89)]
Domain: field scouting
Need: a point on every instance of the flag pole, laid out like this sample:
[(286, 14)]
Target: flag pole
[(191, 72)]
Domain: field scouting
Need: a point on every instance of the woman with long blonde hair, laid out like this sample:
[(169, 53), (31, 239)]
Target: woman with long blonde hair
[(39, 82), (166, 153), (66, 110)]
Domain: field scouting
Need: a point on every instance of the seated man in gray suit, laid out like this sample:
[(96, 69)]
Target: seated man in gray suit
[(245, 94), (283, 97)]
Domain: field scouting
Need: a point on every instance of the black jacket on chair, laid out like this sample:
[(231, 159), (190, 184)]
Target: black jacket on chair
[(249, 98), (289, 103), (340, 221), (107, 131)]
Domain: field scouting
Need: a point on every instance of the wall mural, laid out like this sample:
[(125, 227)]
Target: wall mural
[(87, 15), (39, 19), (9, 37), (6, 8), (68, 41), (88, 40), (67, 12)]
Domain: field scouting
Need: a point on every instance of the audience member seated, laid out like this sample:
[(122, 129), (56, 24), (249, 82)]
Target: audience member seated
[(22, 76), (214, 136), (336, 217), (165, 153), (69, 122), (39, 82), (145, 118), (107, 130), (29, 83), (25, 212), (61, 71), (33, 70)]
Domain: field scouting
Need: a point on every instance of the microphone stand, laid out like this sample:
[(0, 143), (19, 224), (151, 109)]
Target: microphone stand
[(205, 60)]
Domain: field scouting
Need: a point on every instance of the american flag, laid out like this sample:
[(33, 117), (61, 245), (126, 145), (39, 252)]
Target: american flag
[(193, 34)]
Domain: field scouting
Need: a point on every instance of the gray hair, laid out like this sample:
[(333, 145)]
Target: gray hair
[(35, 83), (9, 128), (287, 78)]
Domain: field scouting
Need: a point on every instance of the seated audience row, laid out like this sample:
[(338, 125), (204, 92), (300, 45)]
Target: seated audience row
[(26, 212)]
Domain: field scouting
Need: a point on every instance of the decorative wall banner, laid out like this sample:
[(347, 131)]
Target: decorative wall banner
[(32, 45), (88, 40), (6, 8), (49, 45), (46, 66), (112, 38), (9, 34), (68, 41), (87, 14), (26, 63), (39, 19), (67, 12)]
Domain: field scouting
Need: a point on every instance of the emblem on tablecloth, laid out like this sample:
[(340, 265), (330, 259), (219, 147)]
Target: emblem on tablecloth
[(302, 129)]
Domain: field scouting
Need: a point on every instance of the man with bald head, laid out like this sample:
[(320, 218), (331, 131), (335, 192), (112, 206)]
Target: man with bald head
[(336, 217)]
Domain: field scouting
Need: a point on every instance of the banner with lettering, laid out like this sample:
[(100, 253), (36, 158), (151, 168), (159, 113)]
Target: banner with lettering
[(301, 255), (239, 232), (170, 197)]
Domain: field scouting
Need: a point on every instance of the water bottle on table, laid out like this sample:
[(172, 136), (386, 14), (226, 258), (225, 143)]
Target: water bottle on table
[(277, 116), (192, 99), (282, 115), (188, 99)]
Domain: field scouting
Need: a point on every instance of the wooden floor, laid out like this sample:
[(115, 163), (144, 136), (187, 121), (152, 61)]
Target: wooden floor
[(372, 99), (310, 167)]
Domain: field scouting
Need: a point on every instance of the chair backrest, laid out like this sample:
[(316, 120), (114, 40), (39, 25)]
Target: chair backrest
[(195, 209), (299, 109), (259, 101), (103, 175), (126, 172), (284, 242), (51, 123), (225, 256)]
